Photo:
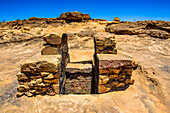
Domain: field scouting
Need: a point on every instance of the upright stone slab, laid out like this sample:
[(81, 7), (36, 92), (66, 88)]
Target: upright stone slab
[(55, 45), (105, 43), (78, 78), (114, 72), (40, 75)]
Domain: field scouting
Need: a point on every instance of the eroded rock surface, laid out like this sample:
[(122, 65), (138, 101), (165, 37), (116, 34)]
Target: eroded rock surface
[(149, 94)]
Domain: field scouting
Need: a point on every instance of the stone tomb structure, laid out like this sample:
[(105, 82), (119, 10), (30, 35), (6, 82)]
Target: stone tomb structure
[(52, 72)]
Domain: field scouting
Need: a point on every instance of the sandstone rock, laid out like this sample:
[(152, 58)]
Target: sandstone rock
[(32, 91), (53, 39), (35, 76), (74, 16), (48, 50), (112, 61), (125, 28), (116, 19), (22, 76), (28, 94), (114, 72), (56, 88), (41, 84), (99, 19), (104, 43), (50, 76), (103, 79), (128, 81), (112, 22), (78, 78), (56, 75), (19, 94), (42, 63), (44, 74), (78, 68), (21, 89), (158, 34), (120, 85), (38, 81), (103, 89), (26, 28), (86, 16), (55, 81), (50, 91), (86, 33)]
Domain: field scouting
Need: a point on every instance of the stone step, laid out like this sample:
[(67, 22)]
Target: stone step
[(78, 78)]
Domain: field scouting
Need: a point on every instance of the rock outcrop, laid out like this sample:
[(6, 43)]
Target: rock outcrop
[(74, 16), (116, 19)]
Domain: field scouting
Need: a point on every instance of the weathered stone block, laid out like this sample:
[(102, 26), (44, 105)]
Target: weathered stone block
[(104, 43), (52, 39), (114, 72), (44, 63), (48, 50), (78, 78)]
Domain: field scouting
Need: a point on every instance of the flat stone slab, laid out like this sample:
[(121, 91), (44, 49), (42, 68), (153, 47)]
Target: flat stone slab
[(43, 63), (104, 35), (81, 55), (78, 68), (112, 61)]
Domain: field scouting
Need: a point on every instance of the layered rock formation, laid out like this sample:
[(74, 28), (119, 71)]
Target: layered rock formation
[(157, 29), (116, 19), (74, 16), (40, 75), (105, 43), (114, 73)]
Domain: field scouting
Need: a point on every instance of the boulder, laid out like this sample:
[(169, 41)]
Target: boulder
[(52, 39), (74, 16), (116, 19), (86, 16), (48, 50), (158, 33)]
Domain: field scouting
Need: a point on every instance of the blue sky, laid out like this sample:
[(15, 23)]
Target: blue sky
[(105, 9)]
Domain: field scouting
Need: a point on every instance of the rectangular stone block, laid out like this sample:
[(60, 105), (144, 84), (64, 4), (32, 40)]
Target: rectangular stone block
[(105, 43), (78, 78), (48, 50), (114, 72), (43, 63)]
